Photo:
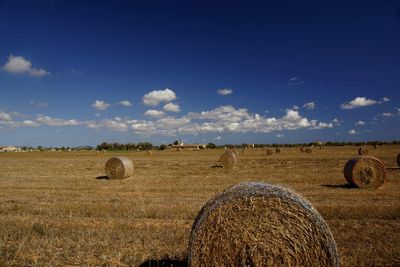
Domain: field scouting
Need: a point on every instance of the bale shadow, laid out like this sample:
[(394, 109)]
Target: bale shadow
[(102, 177), (164, 263), (344, 186)]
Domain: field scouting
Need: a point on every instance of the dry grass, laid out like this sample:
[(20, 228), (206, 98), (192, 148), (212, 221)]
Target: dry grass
[(54, 212)]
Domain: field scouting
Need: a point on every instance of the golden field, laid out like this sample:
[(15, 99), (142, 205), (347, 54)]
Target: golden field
[(57, 209)]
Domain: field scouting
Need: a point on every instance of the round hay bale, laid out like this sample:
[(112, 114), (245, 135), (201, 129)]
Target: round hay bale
[(236, 153), (398, 159), (119, 168), (149, 152), (258, 224), (365, 172), (269, 152), (277, 150), (227, 160), (362, 151), (308, 150), (302, 149)]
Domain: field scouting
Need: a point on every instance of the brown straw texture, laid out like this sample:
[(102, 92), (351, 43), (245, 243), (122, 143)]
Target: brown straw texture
[(259, 224), (119, 168), (365, 172)]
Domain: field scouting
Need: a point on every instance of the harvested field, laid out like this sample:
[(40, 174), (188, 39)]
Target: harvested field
[(58, 209)]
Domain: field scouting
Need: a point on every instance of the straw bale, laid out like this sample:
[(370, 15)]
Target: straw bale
[(308, 150), (119, 168), (365, 172), (258, 224), (269, 152), (228, 159), (362, 151), (398, 159), (277, 150)]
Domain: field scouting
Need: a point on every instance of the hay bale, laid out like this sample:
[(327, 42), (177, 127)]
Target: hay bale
[(277, 150), (362, 151), (398, 159), (258, 224), (269, 152), (302, 149), (308, 150), (365, 172), (119, 168), (228, 160), (236, 153), (149, 152)]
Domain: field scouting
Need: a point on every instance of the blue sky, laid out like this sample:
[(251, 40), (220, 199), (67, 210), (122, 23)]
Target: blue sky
[(83, 72)]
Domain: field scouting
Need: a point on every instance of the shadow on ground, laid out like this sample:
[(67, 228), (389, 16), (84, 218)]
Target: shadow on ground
[(102, 177), (345, 186), (164, 263)]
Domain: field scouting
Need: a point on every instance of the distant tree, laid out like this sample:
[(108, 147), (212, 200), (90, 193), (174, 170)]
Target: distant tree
[(162, 147), (176, 142), (211, 145)]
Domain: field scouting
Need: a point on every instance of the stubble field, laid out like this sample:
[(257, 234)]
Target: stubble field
[(57, 209)]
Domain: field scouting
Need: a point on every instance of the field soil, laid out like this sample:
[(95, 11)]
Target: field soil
[(59, 209)]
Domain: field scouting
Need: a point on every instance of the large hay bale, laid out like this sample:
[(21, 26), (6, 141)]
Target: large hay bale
[(269, 152), (362, 151), (277, 150), (258, 224), (236, 153), (119, 168), (398, 159), (149, 152), (228, 160), (308, 150), (365, 172)]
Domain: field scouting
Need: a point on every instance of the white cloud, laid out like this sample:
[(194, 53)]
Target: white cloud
[(100, 105), (171, 107), (359, 123), (336, 121), (294, 107), (19, 65), (38, 104), (47, 120), (295, 82), (27, 123), (352, 131), (218, 138), (309, 105), (387, 114), (225, 91), (125, 103), (279, 135), (385, 99), (113, 125), (154, 113), (155, 97), (5, 116), (359, 102)]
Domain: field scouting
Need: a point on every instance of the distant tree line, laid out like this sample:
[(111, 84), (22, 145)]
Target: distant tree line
[(149, 146)]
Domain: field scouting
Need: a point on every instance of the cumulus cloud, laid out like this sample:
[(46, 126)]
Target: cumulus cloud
[(171, 107), (19, 65), (295, 82), (295, 107), (385, 99), (38, 104), (225, 91), (309, 105), (352, 131), (155, 97), (5, 116), (359, 102), (47, 120), (125, 103), (387, 114), (100, 105), (218, 138), (360, 123), (154, 113), (279, 135)]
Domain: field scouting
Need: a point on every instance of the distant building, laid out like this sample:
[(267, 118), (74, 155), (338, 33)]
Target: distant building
[(9, 149)]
